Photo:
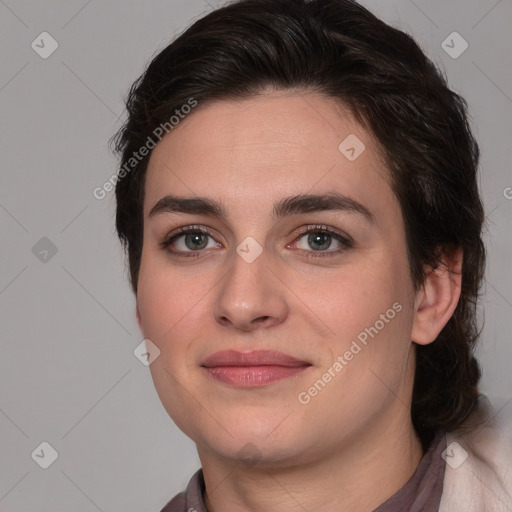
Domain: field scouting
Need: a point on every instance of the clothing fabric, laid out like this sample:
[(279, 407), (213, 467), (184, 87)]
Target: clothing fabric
[(478, 473), (465, 471), (422, 493)]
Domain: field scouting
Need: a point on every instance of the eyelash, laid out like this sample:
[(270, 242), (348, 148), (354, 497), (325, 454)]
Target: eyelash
[(344, 240)]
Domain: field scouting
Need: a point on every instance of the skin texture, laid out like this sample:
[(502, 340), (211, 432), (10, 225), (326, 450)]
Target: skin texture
[(261, 448)]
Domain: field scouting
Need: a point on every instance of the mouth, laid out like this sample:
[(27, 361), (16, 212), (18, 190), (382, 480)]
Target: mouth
[(253, 368)]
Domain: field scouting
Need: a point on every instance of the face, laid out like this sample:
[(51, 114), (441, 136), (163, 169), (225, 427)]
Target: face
[(275, 280)]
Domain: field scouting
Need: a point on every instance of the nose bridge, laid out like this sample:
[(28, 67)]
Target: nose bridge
[(249, 294), (246, 280)]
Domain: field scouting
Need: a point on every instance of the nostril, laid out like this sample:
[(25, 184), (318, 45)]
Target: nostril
[(261, 319), (224, 320)]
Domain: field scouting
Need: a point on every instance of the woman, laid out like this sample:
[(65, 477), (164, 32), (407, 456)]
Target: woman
[(299, 203)]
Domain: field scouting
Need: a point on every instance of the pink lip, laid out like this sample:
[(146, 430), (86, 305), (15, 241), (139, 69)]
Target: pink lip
[(252, 369)]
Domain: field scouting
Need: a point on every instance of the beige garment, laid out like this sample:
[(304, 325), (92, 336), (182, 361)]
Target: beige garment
[(483, 481)]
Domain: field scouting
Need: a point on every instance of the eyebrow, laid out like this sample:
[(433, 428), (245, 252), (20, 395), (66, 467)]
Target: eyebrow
[(302, 203)]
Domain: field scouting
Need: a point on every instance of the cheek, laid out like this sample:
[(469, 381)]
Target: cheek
[(175, 310), (172, 315), (368, 309), (353, 299), (163, 296)]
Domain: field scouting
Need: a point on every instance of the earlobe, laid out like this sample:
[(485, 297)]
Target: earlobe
[(438, 297)]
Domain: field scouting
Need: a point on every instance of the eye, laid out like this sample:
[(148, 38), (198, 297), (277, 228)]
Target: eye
[(189, 239), (321, 239), (313, 241)]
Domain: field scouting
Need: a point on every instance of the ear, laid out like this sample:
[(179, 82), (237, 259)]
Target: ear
[(139, 319), (438, 297)]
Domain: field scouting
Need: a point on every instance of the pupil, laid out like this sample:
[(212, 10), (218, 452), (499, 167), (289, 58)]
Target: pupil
[(195, 241), (320, 239)]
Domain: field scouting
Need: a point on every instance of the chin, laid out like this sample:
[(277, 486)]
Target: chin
[(253, 441), (252, 451)]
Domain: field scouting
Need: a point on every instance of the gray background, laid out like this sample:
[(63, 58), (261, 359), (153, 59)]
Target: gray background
[(68, 375)]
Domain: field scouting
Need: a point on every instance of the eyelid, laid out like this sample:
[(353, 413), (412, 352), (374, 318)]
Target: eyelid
[(323, 228)]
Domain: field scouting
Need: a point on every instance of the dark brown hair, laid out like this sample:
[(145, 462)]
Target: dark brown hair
[(340, 49)]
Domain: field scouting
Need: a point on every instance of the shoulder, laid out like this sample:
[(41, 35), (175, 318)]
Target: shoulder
[(478, 471), (191, 499), (177, 504)]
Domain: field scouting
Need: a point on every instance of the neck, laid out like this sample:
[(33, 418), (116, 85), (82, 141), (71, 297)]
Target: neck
[(359, 476)]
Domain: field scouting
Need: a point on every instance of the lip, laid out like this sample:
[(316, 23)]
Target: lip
[(252, 368)]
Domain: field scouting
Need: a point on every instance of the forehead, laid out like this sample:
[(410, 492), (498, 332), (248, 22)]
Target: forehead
[(270, 146)]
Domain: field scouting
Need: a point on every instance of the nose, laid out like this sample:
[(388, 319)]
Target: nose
[(250, 296)]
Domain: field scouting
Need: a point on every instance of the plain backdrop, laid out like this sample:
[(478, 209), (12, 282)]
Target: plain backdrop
[(68, 375)]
